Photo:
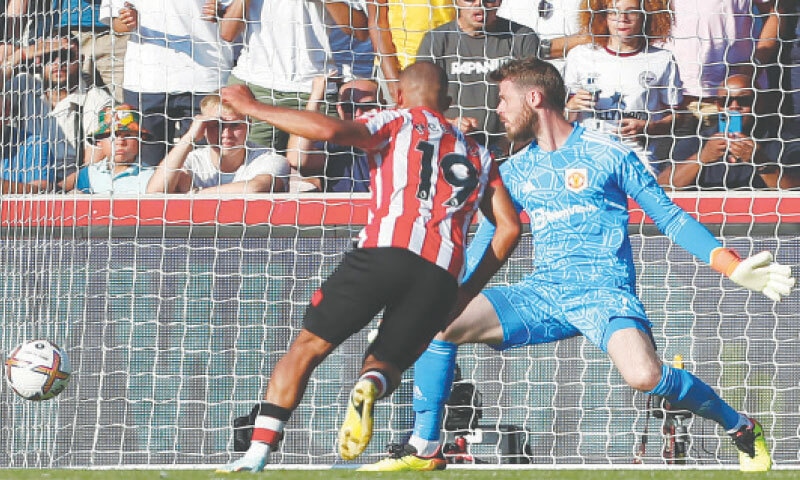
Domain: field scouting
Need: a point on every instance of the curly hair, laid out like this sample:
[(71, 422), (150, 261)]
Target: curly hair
[(657, 24)]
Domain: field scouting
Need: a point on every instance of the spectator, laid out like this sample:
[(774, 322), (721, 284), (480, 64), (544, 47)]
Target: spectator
[(102, 51), (621, 83), (27, 158), (173, 59), (468, 49), (121, 171), (715, 38), (335, 168), (227, 164), (791, 66), (734, 159), (72, 101), (554, 21), (396, 28), (286, 45), (32, 109)]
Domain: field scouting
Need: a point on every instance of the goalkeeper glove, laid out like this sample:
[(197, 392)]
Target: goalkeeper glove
[(758, 273)]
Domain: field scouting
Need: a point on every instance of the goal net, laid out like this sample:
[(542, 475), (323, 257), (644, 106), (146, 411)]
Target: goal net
[(173, 309)]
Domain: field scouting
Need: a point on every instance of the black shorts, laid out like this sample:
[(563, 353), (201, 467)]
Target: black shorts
[(416, 294)]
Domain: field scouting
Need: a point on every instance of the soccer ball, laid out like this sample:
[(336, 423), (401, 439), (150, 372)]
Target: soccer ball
[(37, 370)]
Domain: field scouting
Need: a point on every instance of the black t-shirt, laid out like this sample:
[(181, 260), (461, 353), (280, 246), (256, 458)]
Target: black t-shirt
[(468, 60)]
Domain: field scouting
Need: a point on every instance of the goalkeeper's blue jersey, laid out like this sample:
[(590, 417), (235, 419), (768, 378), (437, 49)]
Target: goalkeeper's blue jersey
[(577, 201)]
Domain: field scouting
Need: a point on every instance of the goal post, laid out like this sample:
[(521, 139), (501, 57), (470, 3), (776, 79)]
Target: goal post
[(173, 310)]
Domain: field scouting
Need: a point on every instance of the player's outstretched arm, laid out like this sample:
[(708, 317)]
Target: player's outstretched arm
[(759, 273), (311, 125)]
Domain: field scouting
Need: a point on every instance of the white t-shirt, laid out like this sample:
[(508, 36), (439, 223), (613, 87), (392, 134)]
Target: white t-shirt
[(89, 101), (629, 86), (173, 50), (259, 161), (285, 46), (708, 36), (548, 18)]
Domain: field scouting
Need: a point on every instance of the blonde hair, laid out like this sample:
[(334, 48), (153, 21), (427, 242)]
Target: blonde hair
[(212, 103), (657, 20)]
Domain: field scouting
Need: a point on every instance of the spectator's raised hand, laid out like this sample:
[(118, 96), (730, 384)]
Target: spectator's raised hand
[(581, 100), (319, 85), (630, 127), (198, 128), (714, 149), (46, 45), (741, 148), (129, 17)]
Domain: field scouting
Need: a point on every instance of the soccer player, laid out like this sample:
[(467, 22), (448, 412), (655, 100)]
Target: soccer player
[(428, 180), (574, 185)]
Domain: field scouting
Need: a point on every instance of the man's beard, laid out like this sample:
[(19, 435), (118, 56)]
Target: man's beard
[(524, 129)]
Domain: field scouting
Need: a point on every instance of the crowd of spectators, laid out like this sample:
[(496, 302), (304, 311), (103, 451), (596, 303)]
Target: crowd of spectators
[(119, 96)]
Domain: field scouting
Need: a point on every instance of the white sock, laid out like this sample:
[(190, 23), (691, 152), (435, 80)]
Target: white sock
[(258, 450), (378, 379), (425, 448), (743, 421)]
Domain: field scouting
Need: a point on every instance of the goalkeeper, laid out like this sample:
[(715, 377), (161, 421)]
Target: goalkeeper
[(574, 185)]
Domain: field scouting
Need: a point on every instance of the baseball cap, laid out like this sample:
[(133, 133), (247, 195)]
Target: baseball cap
[(122, 118)]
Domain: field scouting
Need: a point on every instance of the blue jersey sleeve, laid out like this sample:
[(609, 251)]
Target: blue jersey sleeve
[(673, 221), (477, 247)]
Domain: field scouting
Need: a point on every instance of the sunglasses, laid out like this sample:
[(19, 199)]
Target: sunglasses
[(121, 134), (351, 107), (742, 100), (62, 57)]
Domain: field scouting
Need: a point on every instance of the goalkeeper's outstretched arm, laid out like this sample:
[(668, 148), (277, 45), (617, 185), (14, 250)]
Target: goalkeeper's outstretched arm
[(759, 273)]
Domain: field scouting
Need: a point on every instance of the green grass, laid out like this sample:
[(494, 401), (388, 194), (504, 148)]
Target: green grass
[(342, 474)]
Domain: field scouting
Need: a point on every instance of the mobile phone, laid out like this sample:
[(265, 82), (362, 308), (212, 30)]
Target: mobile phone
[(730, 122)]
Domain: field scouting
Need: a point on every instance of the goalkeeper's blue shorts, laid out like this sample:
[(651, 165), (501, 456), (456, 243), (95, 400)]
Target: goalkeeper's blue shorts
[(534, 312)]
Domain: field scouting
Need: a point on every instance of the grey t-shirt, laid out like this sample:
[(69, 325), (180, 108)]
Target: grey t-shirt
[(468, 60)]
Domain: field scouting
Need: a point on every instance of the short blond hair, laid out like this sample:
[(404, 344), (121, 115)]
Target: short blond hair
[(213, 103)]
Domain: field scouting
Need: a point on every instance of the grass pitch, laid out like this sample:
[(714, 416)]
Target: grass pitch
[(344, 474)]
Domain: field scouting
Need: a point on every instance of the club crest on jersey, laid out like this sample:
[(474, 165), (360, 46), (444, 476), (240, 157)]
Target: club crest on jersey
[(647, 79), (576, 179)]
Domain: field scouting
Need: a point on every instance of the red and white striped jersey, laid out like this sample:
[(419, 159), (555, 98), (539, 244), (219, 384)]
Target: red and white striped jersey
[(427, 180)]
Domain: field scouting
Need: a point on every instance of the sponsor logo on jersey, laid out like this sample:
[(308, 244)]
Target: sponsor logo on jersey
[(576, 179), (435, 127), (541, 217)]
